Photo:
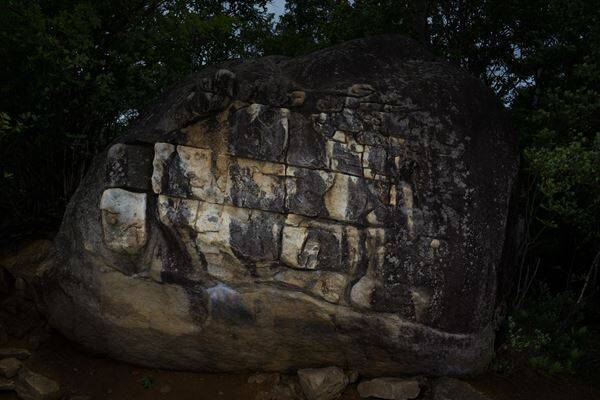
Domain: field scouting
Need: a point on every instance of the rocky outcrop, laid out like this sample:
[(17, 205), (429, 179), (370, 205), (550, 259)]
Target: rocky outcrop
[(347, 208)]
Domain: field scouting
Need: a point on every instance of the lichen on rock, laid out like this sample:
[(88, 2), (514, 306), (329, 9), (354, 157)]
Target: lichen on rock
[(347, 207)]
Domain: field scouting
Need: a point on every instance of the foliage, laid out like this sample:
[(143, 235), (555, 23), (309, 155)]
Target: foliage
[(80, 71), (309, 25), (558, 117), (539, 330), (147, 382)]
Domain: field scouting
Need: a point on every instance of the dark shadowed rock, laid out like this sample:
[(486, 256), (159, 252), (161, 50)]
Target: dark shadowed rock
[(454, 389), (347, 207), (33, 386), (390, 388), (6, 385), (14, 352), (9, 367)]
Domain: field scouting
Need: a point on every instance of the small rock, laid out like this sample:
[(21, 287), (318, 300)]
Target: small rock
[(454, 389), (389, 388), (9, 367), (32, 386), (322, 383), (164, 389), (13, 352), (20, 284), (6, 385), (262, 378), (361, 89), (297, 98)]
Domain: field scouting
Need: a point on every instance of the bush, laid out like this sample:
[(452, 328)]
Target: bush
[(550, 329)]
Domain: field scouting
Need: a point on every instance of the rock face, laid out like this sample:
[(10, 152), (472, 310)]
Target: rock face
[(346, 208)]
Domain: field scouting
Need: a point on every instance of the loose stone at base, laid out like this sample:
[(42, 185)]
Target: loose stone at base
[(322, 383), (389, 388), (33, 386), (9, 367)]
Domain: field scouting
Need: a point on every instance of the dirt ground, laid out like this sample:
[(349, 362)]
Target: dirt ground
[(80, 373)]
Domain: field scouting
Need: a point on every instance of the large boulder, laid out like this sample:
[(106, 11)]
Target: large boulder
[(346, 208)]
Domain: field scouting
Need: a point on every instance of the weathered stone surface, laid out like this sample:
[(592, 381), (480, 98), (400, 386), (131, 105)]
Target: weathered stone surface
[(129, 166), (260, 132), (9, 367), (343, 208), (32, 386), (6, 385), (454, 389), (322, 383), (14, 352), (124, 220), (389, 388)]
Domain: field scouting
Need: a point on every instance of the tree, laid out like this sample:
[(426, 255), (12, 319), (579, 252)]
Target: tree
[(79, 71)]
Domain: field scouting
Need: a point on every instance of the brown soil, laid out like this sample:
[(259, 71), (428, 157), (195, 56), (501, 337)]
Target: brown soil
[(80, 373)]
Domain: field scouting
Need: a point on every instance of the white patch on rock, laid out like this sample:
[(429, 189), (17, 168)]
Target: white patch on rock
[(336, 198), (197, 167), (292, 243), (421, 298), (124, 220), (362, 292), (162, 152), (221, 293)]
